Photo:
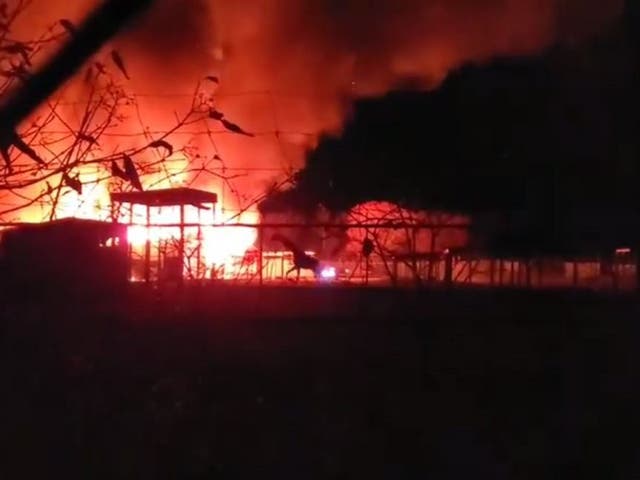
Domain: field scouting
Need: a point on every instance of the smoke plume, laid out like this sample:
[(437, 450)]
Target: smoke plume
[(313, 55), (288, 68), (333, 48)]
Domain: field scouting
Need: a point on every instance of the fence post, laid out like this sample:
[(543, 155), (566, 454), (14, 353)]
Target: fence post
[(181, 252), (147, 249), (260, 253), (448, 268)]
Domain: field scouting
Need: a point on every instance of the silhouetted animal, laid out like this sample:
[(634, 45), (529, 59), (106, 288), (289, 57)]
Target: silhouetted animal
[(301, 260)]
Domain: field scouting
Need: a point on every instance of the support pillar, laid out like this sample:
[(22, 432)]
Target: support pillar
[(199, 255), (448, 269), (147, 248), (181, 245), (129, 245), (260, 254)]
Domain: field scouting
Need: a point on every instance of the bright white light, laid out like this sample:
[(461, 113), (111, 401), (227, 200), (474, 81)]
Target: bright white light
[(328, 273)]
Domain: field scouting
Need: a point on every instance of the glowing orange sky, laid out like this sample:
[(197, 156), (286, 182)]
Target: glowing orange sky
[(287, 66)]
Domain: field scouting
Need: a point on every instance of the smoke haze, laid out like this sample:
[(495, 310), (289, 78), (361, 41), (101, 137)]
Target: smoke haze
[(289, 67)]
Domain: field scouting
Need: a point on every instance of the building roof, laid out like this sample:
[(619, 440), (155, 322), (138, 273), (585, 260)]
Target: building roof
[(68, 228), (166, 197)]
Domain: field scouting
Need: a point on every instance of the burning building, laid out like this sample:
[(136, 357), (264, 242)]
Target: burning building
[(176, 233), (157, 235), (172, 248), (79, 139)]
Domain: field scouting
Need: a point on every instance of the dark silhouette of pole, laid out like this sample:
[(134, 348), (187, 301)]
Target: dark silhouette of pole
[(260, 253), (181, 252), (448, 268), (367, 250), (147, 248)]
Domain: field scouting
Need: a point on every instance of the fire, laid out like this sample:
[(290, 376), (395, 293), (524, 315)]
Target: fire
[(92, 203), (328, 273), (219, 241), (221, 244), (304, 97)]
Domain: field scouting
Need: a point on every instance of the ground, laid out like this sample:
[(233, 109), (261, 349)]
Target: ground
[(328, 382)]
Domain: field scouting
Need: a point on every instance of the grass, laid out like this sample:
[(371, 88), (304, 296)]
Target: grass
[(321, 383)]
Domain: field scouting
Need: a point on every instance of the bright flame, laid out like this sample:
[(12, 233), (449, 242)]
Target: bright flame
[(92, 203), (221, 243)]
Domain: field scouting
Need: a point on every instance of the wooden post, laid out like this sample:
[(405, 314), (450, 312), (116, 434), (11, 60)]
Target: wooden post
[(492, 271), (448, 269), (181, 244), (366, 269), (158, 256), (199, 255), (575, 273), (147, 248), (432, 253), (394, 280), (129, 245), (414, 261), (260, 253), (500, 271), (615, 270)]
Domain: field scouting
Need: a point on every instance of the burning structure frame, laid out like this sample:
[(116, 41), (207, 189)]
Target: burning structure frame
[(180, 198)]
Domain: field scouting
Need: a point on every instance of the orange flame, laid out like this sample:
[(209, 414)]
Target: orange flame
[(221, 242)]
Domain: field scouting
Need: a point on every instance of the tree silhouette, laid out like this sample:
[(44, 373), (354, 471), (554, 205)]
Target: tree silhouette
[(66, 150)]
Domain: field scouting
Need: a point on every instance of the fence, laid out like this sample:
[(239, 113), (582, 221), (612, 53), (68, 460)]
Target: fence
[(384, 253)]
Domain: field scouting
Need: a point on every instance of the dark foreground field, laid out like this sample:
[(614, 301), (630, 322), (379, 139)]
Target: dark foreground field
[(321, 383)]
